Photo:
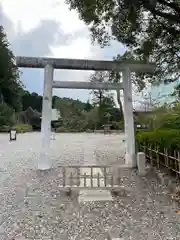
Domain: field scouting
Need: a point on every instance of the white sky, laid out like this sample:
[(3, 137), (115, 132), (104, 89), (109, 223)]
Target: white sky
[(28, 14)]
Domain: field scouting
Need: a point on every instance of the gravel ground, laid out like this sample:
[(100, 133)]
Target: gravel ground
[(32, 207)]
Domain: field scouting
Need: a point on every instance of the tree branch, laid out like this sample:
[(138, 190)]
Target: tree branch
[(168, 16), (171, 17), (172, 5)]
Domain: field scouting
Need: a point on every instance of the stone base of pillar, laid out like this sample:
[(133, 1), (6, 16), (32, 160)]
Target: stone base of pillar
[(141, 163), (44, 162), (130, 160)]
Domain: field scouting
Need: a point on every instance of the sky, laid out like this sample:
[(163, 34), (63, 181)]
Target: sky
[(47, 28)]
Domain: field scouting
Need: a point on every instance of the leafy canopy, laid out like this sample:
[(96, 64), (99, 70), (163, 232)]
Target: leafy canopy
[(149, 28), (10, 85)]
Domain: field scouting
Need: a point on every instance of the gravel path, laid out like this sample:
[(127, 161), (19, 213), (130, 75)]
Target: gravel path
[(32, 207)]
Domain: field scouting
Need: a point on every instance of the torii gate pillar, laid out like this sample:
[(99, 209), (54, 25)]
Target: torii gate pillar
[(44, 161), (130, 156)]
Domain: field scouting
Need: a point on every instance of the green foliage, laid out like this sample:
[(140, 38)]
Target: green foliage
[(161, 138), (164, 117), (89, 131), (57, 124), (69, 107), (100, 96), (66, 130), (61, 130), (22, 128), (150, 29), (6, 115), (10, 85), (118, 125), (138, 79), (32, 100), (76, 115), (4, 129), (164, 131), (101, 99)]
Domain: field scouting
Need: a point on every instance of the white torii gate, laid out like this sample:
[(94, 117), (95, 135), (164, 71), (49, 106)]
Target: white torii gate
[(49, 64)]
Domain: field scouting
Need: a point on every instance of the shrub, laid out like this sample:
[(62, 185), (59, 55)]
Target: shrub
[(4, 129), (61, 130), (121, 125), (163, 138), (116, 125), (89, 130), (74, 130), (57, 124), (7, 117), (22, 128), (67, 130)]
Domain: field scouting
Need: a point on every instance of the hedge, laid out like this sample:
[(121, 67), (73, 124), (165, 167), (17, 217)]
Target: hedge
[(22, 128), (61, 130), (4, 129), (162, 138)]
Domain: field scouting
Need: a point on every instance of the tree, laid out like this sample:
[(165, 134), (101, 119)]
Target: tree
[(92, 118), (10, 85), (103, 99), (138, 81), (149, 28), (166, 116), (88, 106), (6, 115), (32, 100), (98, 95), (114, 77), (108, 116), (30, 116)]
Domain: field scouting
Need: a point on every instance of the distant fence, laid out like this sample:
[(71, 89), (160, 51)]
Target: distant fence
[(166, 158)]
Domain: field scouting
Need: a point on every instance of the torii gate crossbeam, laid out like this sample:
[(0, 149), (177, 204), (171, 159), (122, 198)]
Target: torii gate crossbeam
[(86, 85), (49, 64)]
